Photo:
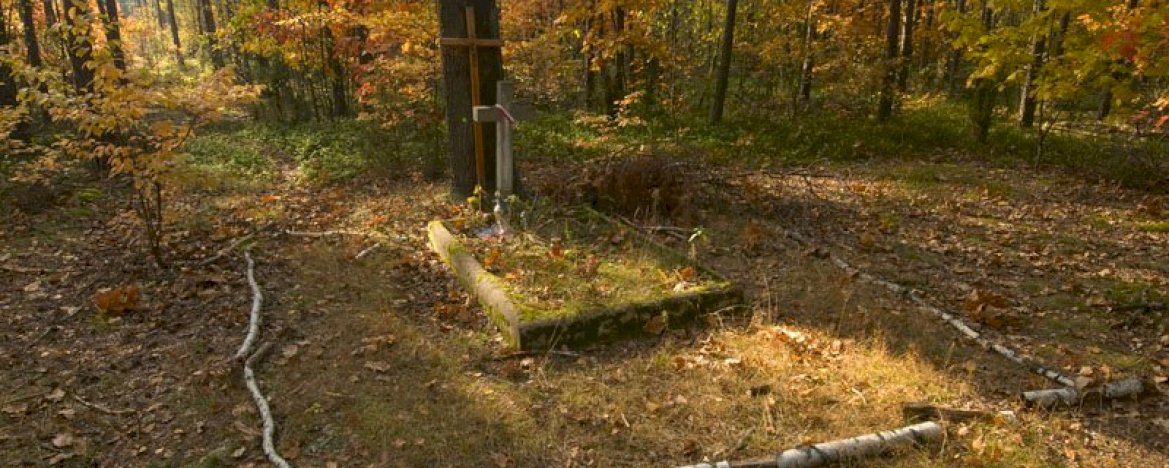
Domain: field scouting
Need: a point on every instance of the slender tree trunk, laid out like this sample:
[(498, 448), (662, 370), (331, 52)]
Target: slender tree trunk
[(1027, 94), (906, 45), (456, 79), (8, 88), (590, 77), (31, 44), (954, 63), (78, 38), (892, 30), (336, 72), (50, 13), (724, 63), (159, 15), (174, 32), (809, 64)]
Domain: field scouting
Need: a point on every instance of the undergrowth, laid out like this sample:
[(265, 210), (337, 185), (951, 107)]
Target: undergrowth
[(938, 132)]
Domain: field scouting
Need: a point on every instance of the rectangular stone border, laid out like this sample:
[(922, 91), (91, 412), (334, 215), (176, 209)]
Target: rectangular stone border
[(597, 326)]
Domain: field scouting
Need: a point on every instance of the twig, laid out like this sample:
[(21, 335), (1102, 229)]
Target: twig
[(367, 250), (21, 398), (103, 408), (257, 301), (523, 354), (226, 250), (324, 233), (20, 269), (250, 376)]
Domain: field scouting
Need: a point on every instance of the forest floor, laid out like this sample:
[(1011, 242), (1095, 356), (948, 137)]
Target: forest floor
[(380, 361)]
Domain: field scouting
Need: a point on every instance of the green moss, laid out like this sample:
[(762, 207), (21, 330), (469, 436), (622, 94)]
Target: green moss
[(1162, 226)]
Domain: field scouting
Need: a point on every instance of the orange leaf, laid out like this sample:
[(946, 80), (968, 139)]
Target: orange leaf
[(117, 301)]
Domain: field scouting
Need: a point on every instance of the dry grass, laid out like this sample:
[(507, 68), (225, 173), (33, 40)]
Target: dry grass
[(441, 395)]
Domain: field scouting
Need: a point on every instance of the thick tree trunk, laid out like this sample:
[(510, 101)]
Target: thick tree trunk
[(1027, 94), (456, 80), (109, 9), (906, 45), (892, 49), (28, 23), (174, 32), (207, 20), (724, 64)]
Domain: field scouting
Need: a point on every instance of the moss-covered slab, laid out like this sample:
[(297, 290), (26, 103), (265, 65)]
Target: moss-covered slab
[(628, 288)]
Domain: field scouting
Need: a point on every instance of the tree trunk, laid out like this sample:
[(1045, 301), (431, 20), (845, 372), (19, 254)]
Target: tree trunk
[(724, 64), (456, 80), (1027, 94), (892, 34), (50, 13), (78, 39), (174, 32), (906, 45), (31, 45), (807, 67), (954, 63), (590, 77), (109, 9), (159, 15), (207, 21)]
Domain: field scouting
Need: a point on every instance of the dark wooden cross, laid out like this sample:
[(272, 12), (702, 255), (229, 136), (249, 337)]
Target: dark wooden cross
[(473, 43)]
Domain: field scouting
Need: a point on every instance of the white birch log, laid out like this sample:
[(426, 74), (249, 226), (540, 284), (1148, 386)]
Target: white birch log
[(250, 375), (245, 348), (955, 321), (265, 412), (845, 449), (1070, 396)]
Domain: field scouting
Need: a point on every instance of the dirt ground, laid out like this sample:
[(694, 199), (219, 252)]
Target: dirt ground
[(380, 361)]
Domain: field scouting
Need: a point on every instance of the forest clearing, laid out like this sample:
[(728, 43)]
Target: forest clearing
[(243, 233)]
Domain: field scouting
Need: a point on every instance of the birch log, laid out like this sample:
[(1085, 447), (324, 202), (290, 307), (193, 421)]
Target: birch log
[(1071, 396), (250, 358), (844, 449)]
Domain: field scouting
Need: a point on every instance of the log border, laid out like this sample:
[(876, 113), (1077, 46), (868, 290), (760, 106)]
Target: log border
[(600, 325)]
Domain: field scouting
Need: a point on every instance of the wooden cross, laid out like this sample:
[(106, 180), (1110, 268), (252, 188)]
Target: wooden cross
[(473, 43), (504, 114)]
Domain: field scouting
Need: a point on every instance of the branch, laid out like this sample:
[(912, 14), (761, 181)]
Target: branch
[(250, 375), (257, 300), (1015, 356)]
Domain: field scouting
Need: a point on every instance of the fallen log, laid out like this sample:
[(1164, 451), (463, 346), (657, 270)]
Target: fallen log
[(841, 450), (1071, 396)]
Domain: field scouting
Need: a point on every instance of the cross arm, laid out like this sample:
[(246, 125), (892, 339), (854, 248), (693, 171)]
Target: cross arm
[(468, 42)]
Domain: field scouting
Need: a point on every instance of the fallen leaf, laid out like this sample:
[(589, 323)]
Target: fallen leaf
[(289, 351), (56, 395), (377, 366), (63, 440), (117, 300)]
